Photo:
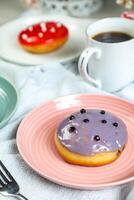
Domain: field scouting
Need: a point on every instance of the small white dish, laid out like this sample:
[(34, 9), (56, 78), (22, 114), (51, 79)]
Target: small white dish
[(12, 52), (76, 8)]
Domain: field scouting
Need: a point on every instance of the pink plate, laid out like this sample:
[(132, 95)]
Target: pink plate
[(36, 144)]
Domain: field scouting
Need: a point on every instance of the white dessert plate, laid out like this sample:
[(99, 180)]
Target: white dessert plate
[(11, 50)]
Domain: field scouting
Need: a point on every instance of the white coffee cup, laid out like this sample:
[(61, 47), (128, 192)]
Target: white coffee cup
[(109, 66)]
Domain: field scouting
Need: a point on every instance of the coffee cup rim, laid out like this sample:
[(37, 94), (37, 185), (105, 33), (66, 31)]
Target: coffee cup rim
[(108, 19)]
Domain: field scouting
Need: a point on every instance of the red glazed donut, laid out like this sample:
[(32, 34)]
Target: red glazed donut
[(43, 37)]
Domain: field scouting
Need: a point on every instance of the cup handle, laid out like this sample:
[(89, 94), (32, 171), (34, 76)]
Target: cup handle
[(83, 64)]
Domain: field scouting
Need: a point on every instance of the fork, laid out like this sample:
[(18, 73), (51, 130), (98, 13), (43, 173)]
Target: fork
[(8, 185)]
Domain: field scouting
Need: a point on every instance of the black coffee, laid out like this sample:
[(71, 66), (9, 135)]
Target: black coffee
[(112, 37)]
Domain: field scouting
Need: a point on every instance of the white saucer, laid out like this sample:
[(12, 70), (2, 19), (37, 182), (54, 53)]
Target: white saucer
[(12, 52)]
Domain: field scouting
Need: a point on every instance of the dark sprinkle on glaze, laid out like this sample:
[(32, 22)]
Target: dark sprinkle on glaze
[(72, 129), (115, 124), (86, 120), (101, 132), (119, 152), (97, 138), (72, 117), (102, 112), (103, 121), (82, 111)]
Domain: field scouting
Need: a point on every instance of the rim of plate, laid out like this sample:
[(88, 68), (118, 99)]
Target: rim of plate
[(63, 183), (3, 122)]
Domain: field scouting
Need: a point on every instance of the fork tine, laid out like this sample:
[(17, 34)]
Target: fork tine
[(6, 171), (4, 177), (1, 183)]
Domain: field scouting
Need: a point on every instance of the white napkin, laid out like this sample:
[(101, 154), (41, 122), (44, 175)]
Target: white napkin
[(37, 85)]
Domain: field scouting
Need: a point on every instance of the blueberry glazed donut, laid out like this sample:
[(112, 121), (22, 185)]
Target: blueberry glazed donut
[(43, 37), (91, 138)]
